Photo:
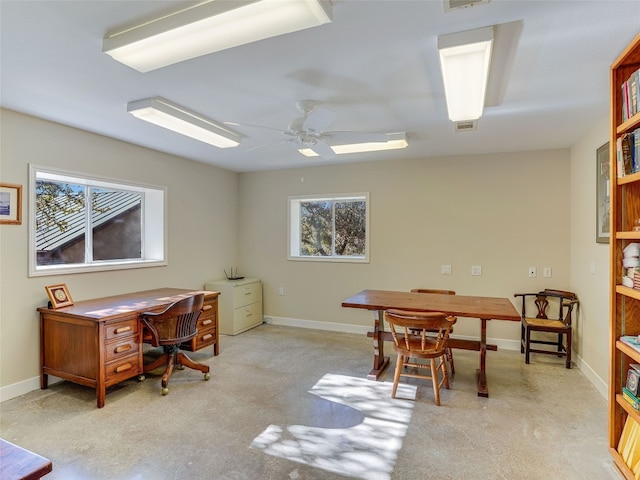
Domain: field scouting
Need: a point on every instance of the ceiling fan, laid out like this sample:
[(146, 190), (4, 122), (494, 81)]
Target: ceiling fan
[(309, 131)]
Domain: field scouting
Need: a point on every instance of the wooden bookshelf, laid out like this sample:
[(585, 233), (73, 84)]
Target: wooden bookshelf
[(624, 302)]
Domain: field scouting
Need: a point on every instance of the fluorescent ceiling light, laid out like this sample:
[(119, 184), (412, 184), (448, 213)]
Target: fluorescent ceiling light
[(395, 141), (209, 27), (465, 58), (181, 120)]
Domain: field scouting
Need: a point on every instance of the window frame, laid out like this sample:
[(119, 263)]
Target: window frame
[(154, 231), (293, 226)]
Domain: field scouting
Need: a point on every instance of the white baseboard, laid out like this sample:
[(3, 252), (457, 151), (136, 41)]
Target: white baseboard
[(26, 386), (501, 343), (347, 328), (598, 382)]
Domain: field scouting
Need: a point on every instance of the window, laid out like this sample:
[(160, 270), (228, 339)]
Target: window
[(330, 227), (81, 224)]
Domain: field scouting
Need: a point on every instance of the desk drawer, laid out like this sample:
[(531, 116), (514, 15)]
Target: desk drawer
[(121, 329), (122, 369), (121, 348), (204, 339)]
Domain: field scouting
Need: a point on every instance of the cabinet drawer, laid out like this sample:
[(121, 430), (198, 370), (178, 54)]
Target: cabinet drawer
[(246, 294), (122, 369), (204, 339), (247, 316), (121, 329), (121, 348), (207, 322)]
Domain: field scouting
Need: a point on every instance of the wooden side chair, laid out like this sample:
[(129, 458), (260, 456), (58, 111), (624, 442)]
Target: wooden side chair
[(169, 329), (537, 319), (413, 339), (440, 292)]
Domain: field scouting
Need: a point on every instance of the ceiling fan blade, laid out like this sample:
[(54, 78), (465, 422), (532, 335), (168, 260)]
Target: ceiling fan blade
[(343, 138), (323, 150), (238, 124), (318, 119)]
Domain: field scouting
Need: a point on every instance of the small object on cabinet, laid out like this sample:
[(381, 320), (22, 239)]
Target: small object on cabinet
[(633, 378), (231, 275), (59, 296)]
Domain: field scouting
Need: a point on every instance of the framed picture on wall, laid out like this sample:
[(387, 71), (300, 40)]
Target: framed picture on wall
[(59, 295), (10, 204), (602, 194)]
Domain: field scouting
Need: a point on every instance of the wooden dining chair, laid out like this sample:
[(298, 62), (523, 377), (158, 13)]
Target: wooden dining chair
[(440, 292), (413, 340), (547, 318), (176, 324)]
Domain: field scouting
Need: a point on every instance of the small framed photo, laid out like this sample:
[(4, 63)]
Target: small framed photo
[(59, 295), (10, 204)]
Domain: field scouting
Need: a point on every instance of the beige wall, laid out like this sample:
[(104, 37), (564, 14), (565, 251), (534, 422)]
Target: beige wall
[(504, 212), (592, 325), (201, 221)]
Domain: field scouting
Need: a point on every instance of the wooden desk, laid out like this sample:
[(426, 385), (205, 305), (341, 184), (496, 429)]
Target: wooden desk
[(98, 342), (16, 463), (484, 308)]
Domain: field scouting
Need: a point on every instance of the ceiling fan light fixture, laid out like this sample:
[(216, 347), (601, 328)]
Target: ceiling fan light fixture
[(394, 141), (465, 59), (209, 27), (179, 119)]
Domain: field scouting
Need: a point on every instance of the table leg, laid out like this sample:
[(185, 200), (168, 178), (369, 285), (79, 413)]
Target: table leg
[(380, 362), (483, 390)]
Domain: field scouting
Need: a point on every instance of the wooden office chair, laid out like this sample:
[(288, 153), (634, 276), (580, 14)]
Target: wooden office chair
[(413, 339), (541, 322), (441, 292), (170, 328)]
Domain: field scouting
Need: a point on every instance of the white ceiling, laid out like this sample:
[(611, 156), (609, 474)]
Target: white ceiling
[(376, 65)]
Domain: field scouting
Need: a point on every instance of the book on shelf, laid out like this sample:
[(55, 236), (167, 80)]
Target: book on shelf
[(630, 398), (629, 445), (631, 340), (630, 96)]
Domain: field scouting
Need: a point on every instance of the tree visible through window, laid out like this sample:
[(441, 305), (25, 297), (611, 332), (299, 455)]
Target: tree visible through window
[(332, 227), (92, 224)]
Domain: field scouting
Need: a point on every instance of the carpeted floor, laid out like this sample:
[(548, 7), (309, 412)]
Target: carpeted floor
[(294, 404)]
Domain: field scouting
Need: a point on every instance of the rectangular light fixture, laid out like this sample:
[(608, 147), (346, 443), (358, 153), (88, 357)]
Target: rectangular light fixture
[(181, 120), (209, 27), (465, 59), (394, 141)]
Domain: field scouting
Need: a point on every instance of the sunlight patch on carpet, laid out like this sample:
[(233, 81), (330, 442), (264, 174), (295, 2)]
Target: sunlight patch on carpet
[(368, 450)]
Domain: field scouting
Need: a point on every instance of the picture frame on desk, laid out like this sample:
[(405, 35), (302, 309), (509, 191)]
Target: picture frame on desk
[(602, 194), (10, 204), (59, 295)]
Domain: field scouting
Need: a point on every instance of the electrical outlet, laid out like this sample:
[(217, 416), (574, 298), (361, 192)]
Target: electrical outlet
[(476, 270), (532, 272), (546, 272), (281, 291), (445, 269)]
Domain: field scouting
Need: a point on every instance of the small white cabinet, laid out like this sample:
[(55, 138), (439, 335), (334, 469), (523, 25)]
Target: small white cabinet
[(239, 304)]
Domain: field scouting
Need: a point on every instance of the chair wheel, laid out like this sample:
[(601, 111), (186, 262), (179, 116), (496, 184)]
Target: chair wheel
[(165, 391), (141, 378), (207, 376)]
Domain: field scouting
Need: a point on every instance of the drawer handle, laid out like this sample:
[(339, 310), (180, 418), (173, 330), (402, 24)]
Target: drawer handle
[(122, 348), (248, 293), (123, 368), (122, 329), (207, 307), (207, 336), (249, 314), (207, 322)]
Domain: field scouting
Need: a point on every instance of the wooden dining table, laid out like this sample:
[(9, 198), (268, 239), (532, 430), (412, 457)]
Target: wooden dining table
[(483, 308)]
